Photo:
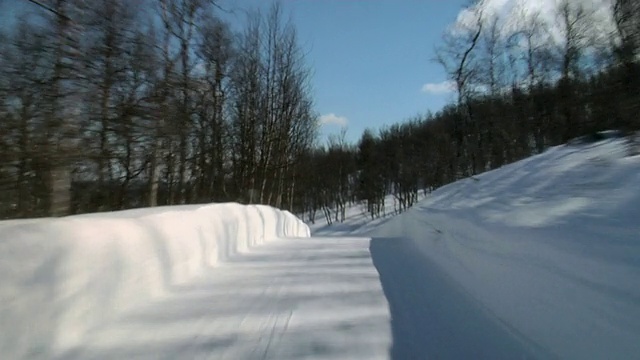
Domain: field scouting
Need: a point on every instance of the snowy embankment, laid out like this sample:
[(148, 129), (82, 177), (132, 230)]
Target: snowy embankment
[(547, 249), (62, 277)]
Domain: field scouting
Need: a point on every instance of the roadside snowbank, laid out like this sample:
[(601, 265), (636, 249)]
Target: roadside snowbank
[(548, 246), (61, 277)]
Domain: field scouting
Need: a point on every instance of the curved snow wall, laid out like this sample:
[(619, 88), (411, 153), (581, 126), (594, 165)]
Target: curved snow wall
[(61, 277)]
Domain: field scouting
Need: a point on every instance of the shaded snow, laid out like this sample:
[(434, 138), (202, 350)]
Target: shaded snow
[(433, 317)]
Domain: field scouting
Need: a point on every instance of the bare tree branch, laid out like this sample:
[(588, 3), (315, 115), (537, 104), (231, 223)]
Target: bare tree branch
[(54, 11)]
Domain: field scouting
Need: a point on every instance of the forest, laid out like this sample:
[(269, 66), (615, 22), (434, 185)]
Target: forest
[(114, 104)]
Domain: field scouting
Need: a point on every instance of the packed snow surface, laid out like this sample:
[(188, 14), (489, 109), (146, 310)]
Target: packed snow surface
[(290, 299), (538, 259)]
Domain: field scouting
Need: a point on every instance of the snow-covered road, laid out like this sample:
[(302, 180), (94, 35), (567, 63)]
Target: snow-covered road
[(434, 318), (311, 298)]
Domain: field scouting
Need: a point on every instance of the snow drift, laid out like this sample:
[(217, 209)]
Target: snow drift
[(549, 247), (61, 277)]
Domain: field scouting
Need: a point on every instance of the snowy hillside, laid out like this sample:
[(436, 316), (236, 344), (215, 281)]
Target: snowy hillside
[(63, 277), (547, 248)]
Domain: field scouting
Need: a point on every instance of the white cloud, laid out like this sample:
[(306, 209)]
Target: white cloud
[(444, 87), (333, 119), (511, 13)]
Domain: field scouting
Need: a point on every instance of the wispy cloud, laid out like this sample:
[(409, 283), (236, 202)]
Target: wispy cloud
[(333, 119), (444, 87), (514, 13)]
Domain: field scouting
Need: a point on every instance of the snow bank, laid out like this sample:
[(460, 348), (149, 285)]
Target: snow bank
[(61, 277), (549, 246)]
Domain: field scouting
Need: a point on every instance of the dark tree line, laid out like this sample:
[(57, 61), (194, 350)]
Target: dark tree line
[(113, 104)]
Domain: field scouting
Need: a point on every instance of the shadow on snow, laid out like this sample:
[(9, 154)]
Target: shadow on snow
[(432, 317)]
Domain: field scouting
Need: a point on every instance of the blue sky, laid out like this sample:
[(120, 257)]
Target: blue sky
[(371, 58)]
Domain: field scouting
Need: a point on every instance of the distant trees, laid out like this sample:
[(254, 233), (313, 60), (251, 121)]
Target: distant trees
[(328, 179), (371, 185)]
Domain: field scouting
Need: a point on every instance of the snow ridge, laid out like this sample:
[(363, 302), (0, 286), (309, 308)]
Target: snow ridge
[(61, 277)]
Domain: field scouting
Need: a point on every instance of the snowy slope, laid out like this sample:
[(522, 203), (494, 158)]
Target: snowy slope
[(546, 250), (63, 277)]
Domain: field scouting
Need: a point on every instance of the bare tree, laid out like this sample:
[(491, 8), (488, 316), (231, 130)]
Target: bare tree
[(246, 110), (179, 19), (109, 38), (626, 14), (21, 71), (60, 119), (216, 51), (273, 117), (573, 21), (458, 57)]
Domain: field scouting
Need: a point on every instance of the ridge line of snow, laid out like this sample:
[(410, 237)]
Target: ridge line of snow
[(64, 276)]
